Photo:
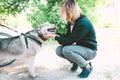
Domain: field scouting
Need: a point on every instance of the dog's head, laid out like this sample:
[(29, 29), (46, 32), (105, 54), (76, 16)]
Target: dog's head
[(46, 28)]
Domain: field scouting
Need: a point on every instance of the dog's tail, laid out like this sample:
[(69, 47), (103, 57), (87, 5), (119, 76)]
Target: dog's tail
[(7, 63)]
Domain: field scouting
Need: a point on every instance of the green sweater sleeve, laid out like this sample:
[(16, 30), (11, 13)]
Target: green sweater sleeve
[(79, 31)]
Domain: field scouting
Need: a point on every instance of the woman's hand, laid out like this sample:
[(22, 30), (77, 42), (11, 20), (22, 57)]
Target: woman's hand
[(50, 35)]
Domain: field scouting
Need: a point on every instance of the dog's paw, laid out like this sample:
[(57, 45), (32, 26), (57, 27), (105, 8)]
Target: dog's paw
[(33, 75)]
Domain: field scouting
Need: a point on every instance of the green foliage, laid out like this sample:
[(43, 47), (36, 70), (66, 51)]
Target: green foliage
[(88, 7), (46, 13), (38, 12), (106, 25), (12, 6)]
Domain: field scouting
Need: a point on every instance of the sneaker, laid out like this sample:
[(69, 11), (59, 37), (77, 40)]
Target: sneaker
[(74, 67), (85, 72)]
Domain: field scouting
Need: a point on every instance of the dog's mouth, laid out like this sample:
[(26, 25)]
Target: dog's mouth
[(52, 30)]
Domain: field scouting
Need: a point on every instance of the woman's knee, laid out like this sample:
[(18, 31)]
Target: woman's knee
[(59, 51), (67, 50)]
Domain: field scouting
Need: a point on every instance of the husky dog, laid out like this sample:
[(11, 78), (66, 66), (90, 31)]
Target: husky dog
[(28, 43)]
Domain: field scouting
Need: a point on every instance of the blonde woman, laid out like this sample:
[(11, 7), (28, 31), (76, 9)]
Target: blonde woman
[(79, 45)]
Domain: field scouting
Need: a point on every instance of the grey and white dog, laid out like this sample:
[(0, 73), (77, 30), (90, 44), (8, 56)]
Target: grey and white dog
[(26, 44)]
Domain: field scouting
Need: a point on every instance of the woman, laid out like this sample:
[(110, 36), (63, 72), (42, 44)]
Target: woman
[(79, 45)]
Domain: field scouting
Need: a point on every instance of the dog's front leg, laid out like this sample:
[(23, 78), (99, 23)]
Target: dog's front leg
[(31, 66)]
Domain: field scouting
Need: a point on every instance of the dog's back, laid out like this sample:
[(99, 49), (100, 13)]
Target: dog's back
[(4, 42), (12, 46)]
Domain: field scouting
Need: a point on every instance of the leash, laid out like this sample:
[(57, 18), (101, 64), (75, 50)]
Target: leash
[(7, 63), (25, 36), (8, 28), (26, 41)]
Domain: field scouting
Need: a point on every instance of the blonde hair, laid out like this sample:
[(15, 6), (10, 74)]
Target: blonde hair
[(70, 8)]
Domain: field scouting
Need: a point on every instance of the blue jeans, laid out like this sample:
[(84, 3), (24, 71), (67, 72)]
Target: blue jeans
[(76, 54)]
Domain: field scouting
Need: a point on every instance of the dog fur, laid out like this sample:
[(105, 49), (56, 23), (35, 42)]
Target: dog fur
[(28, 43)]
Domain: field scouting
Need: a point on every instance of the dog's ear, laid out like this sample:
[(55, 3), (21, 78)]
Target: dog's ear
[(38, 29)]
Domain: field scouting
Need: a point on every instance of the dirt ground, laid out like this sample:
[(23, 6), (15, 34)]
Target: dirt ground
[(51, 67)]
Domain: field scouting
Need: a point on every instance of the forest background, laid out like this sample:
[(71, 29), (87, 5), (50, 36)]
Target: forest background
[(24, 13)]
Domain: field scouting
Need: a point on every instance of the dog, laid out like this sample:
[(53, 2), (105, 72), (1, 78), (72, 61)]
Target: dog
[(26, 44)]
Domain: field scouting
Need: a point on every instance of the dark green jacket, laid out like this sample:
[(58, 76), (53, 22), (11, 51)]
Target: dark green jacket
[(82, 34)]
